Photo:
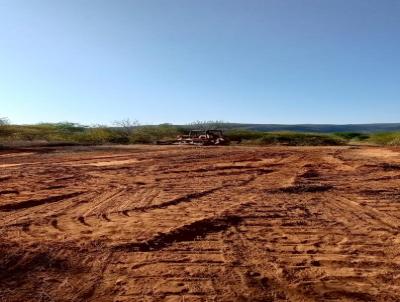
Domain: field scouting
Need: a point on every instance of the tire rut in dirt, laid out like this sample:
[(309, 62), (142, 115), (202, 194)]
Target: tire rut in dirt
[(187, 232)]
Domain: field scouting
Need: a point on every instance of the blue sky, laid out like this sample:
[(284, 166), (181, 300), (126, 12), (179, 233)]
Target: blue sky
[(270, 61)]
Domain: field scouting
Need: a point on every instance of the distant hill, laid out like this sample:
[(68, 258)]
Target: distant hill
[(321, 128)]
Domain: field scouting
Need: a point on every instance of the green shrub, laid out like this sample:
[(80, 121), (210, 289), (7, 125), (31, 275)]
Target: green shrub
[(94, 136), (239, 134), (352, 136), (5, 130), (150, 134), (299, 139), (386, 138)]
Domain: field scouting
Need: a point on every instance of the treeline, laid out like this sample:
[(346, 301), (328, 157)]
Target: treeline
[(131, 132), (71, 133)]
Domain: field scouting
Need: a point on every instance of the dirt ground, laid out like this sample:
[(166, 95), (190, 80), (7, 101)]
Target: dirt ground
[(167, 223)]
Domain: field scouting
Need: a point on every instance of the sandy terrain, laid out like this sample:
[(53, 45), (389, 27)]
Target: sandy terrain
[(150, 223)]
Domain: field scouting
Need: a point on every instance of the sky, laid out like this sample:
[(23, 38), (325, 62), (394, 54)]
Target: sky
[(177, 61)]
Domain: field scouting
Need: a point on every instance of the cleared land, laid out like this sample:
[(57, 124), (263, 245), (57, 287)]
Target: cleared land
[(169, 223)]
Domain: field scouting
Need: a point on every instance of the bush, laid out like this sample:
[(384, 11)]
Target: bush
[(94, 136), (299, 139), (352, 136), (150, 134), (386, 138), (239, 135), (4, 127)]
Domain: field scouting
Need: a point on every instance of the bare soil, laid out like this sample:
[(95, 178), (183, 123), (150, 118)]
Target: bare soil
[(167, 223)]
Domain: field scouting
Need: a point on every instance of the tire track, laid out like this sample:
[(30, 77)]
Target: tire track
[(37, 202), (290, 224)]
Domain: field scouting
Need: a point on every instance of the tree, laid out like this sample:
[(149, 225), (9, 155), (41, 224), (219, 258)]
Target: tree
[(126, 126), (4, 121), (207, 125)]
